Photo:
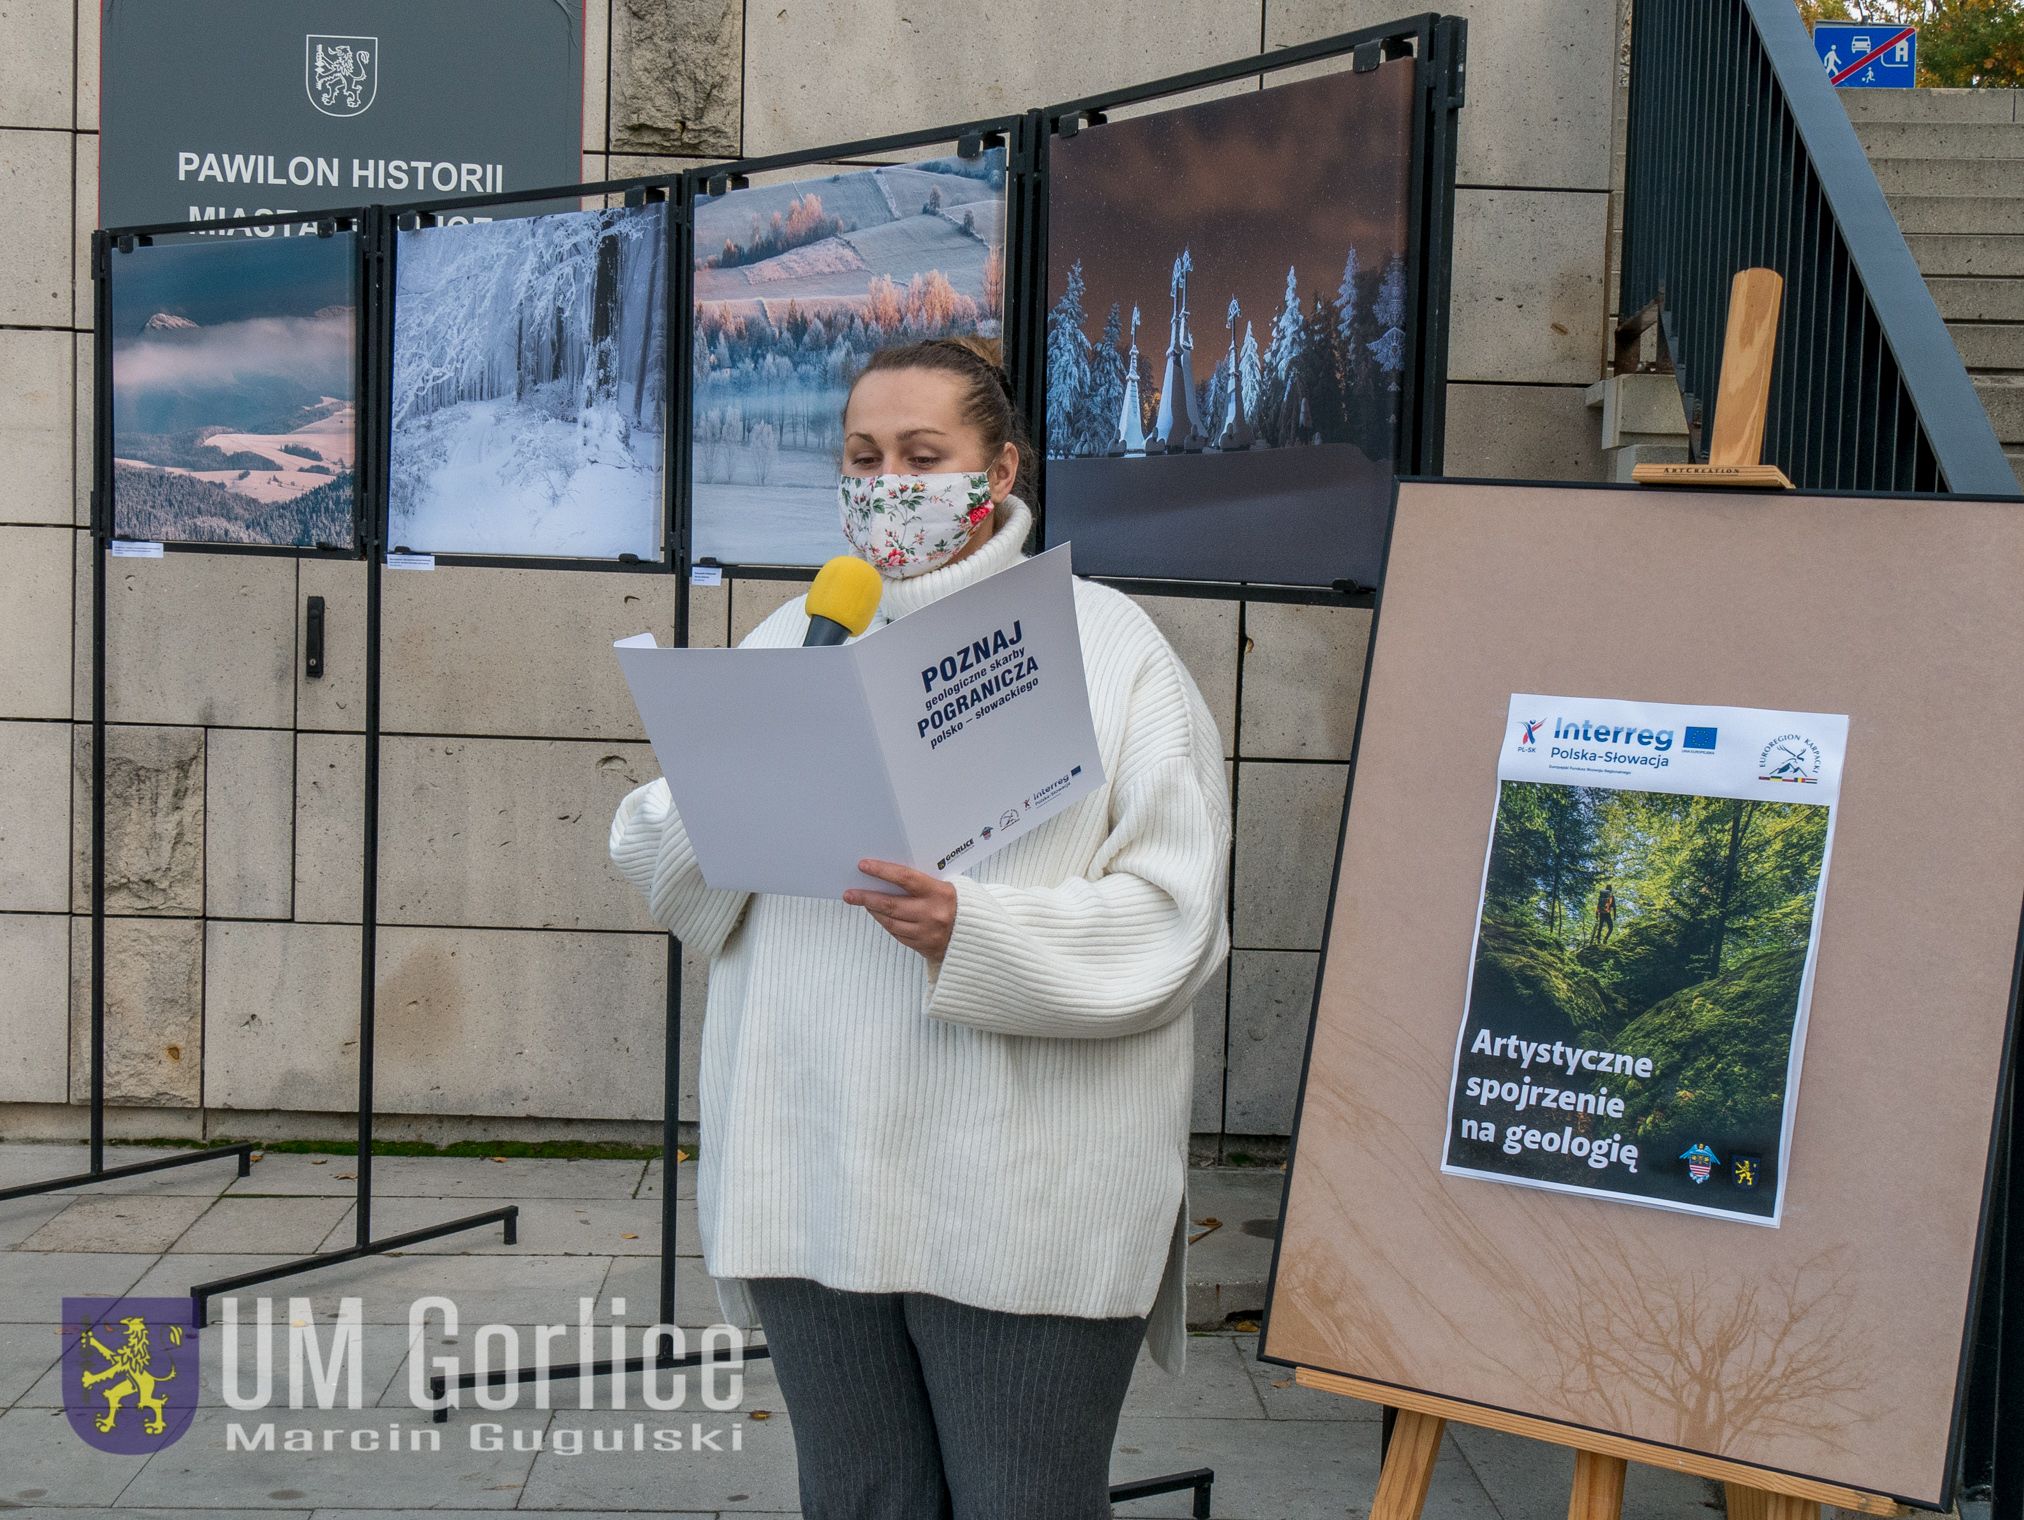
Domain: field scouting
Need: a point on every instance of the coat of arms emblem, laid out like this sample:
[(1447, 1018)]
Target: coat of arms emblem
[(129, 1371), (341, 73)]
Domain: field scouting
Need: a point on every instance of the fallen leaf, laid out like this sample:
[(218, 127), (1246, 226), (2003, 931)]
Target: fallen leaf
[(628, 1237), (319, 1161), (1243, 1324), (762, 1414), (495, 1158), (346, 1176)]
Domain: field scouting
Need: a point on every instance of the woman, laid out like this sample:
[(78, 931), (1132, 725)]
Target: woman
[(944, 1130)]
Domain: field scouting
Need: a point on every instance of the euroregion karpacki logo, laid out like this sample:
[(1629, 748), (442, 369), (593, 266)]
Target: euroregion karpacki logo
[(130, 1371), (1790, 757)]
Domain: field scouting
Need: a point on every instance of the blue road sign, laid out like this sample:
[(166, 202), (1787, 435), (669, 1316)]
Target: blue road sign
[(1858, 56)]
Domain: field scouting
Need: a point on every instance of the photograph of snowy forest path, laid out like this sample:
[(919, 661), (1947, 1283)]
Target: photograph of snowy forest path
[(1653, 924), (796, 284), (529, 386), (234, 362), (1267, 230)]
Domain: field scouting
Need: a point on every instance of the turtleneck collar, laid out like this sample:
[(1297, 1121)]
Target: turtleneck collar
[(1006, 546)]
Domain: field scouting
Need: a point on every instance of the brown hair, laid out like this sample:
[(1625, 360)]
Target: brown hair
[(988, 402)]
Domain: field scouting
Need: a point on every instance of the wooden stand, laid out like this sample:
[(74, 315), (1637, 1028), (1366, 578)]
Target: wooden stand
[(1600, 1461), (1736, 448)]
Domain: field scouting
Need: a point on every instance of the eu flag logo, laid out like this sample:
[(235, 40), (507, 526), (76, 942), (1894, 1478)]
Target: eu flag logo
[(1702, 739)]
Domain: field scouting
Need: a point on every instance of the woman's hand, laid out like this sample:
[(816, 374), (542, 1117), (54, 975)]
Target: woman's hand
[(921, 915)]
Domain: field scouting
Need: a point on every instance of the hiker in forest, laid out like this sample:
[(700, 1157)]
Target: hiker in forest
[(1605, 916)]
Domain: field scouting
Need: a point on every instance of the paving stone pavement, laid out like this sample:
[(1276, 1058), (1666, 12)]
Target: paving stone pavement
[(591, 1229)]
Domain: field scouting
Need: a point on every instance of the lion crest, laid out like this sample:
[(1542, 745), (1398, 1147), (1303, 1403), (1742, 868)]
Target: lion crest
[(116, 1390)]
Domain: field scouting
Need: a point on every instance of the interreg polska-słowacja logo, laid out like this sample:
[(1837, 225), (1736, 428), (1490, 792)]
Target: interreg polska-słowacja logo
[(129, 1371)]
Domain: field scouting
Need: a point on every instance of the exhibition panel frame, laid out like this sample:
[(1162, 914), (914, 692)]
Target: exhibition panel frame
[(171, 348), (1131, 489), (450, 217), (870, 157)]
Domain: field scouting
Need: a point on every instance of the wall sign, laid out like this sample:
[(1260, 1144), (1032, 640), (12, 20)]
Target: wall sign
[(224, 108)]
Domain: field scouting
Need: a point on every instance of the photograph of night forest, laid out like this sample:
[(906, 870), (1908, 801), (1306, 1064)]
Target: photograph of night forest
[(1228, 344), (1652, 924)]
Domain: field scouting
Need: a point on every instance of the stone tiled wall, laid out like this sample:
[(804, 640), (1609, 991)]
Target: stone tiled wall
[(519, 982)]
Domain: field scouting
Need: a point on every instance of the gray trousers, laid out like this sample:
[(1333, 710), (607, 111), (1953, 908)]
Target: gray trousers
[(907, 1406)]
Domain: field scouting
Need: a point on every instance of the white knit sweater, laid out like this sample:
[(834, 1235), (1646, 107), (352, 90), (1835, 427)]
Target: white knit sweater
[(1007, 1127)]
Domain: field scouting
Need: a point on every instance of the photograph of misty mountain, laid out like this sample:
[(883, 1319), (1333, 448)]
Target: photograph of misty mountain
[(529, 385), (1228, 334), (1662, 934), (233, 390), (796, 284)]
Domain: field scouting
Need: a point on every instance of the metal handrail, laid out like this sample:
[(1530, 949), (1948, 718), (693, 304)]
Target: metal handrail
[(1739, 153)]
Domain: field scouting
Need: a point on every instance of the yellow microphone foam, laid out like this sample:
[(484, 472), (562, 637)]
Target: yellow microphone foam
[(846, 591)]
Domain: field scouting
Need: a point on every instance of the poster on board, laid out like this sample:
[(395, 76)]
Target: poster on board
[(1227, 341), (529, 385), (234, 371), (796, 284), (1644, 950)]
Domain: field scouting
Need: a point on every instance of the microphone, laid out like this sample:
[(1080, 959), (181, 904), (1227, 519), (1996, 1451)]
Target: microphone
[(840, 603)]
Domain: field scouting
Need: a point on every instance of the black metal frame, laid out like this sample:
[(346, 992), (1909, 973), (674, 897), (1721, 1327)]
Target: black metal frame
[(1438, 44), (1740, 153), (1993, 1265), (103, 243), (969, 139), (668, 189), (368, 225)]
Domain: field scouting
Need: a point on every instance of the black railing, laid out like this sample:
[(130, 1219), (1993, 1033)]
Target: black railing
[(1740, 154)]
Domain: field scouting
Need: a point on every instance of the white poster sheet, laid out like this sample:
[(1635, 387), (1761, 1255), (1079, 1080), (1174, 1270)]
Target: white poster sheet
[(933, 741), (1642, 966)]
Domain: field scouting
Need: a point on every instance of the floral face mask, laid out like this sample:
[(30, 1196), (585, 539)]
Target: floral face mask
[(907, 524)]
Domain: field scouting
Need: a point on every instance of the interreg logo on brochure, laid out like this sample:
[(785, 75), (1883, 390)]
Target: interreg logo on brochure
[(129, 1371), (131, 1376), (340, 73)]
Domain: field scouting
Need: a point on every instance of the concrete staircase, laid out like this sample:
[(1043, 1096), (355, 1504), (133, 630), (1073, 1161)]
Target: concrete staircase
[(1951, 163)]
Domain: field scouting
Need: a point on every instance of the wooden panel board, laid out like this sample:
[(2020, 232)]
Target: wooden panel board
[(1828, 1348)]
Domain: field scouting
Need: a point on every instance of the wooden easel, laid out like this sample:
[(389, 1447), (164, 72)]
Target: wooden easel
[(1736, 448), (1735, 458), (1600, 1461)]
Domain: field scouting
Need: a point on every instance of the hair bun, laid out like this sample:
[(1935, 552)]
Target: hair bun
[(990, 352)]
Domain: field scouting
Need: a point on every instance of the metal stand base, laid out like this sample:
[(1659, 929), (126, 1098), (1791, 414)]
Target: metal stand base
[(202, 1293), (107, 1173), (438, 1386)]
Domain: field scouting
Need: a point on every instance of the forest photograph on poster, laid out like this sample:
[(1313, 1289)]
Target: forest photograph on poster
[(234, 362), (529, 386), (796, 284), (1228, 333), (1669, 935)]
